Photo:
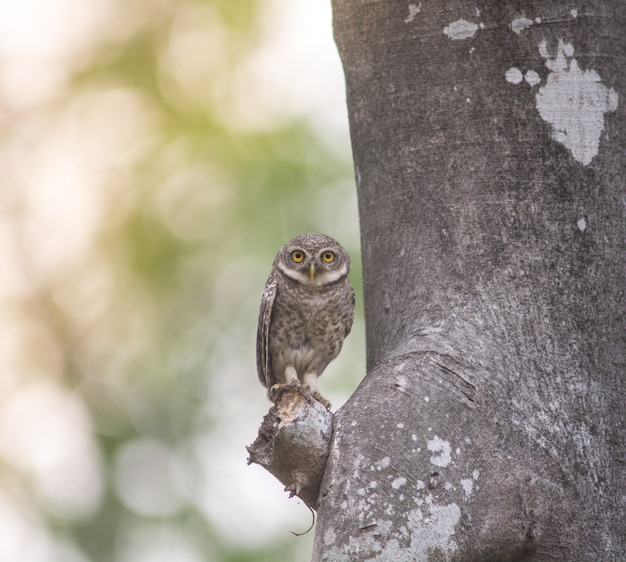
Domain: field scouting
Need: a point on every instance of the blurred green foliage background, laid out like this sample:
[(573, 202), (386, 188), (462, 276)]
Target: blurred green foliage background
[(155, 155)]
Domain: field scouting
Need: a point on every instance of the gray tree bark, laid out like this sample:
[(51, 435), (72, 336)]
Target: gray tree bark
[(489, 145)]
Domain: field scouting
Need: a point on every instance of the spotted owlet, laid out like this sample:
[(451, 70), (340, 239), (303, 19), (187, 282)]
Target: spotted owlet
[(306, 312)]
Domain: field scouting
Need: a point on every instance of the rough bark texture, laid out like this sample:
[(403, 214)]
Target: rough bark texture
[(489, 145)]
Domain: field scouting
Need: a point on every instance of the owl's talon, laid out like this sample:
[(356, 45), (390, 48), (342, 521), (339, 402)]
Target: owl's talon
[(293, 489), (321, 400), (275, 389)]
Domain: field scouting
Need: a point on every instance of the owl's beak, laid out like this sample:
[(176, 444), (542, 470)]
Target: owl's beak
[(312, 271)]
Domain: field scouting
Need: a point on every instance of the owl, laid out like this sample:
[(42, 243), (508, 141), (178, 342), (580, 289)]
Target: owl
[(306, 312)]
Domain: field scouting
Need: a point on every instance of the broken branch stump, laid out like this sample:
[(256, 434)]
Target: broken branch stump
[(293, 443)]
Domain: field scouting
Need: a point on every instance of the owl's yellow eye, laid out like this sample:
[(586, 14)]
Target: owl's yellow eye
[(297, 256), (328, 257)]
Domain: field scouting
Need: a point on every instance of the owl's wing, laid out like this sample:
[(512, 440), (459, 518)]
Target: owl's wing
[(351, 318), (263, 332)]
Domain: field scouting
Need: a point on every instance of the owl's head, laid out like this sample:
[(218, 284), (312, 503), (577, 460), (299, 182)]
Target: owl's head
[(313, 259)]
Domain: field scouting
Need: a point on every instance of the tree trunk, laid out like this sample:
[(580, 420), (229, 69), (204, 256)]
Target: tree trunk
[(489, 146)]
